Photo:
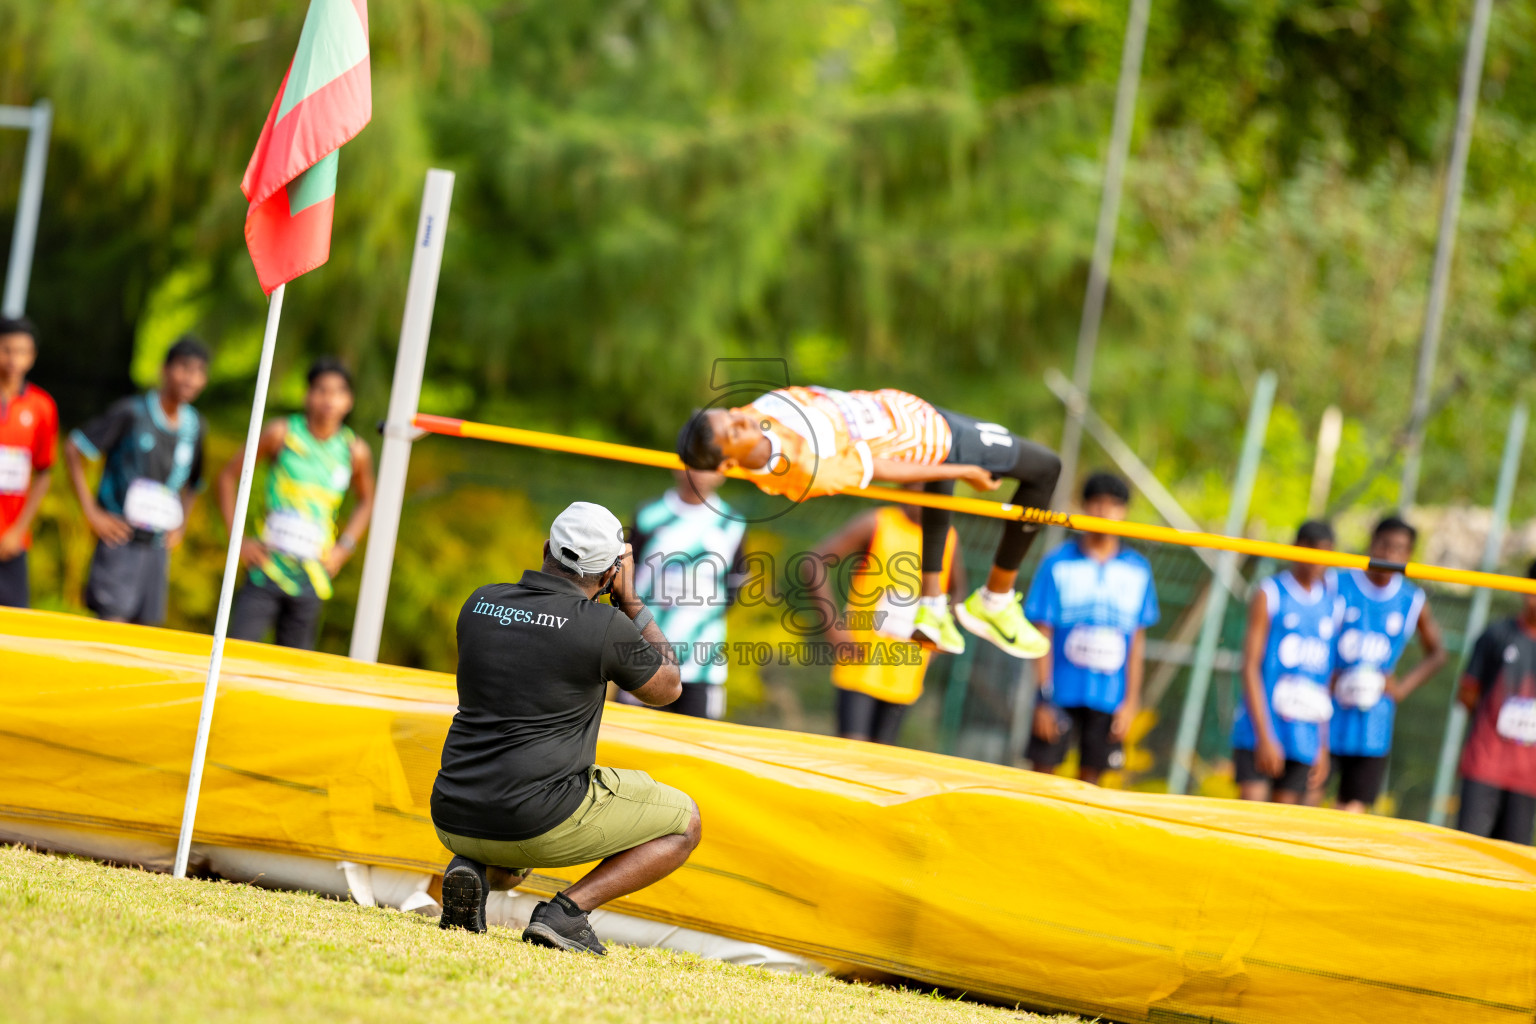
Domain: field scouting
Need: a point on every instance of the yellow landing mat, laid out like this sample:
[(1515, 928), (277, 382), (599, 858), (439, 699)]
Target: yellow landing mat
[(999, 882)]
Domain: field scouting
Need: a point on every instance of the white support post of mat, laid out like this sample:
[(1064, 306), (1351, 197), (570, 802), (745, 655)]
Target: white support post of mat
[(38, 121), (1456, 719), (227, 588), (1216, 604), (405, 393), (1330, 432)]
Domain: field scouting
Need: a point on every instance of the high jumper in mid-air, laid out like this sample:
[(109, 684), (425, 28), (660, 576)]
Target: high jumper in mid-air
[(806, 442)]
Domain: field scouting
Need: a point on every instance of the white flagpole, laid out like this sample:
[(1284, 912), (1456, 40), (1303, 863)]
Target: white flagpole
[(227, 590)]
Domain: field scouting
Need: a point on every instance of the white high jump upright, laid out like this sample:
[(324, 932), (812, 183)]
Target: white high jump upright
[(404, 395)]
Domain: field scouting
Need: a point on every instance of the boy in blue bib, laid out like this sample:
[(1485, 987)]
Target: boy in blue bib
[(1094, 598), (1382, 612), (1280, 734)]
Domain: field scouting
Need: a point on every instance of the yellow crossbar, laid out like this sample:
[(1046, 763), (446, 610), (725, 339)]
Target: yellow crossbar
[(997, 510)]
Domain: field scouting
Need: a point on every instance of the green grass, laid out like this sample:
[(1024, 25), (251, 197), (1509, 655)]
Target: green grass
[(81, 941)]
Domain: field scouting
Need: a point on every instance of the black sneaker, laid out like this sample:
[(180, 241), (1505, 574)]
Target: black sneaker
[(464, 890), (560, 924)]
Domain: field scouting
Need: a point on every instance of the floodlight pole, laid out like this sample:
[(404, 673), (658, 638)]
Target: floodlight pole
[(1456, 719), (1216, 603), (1445, 245), (1103, 244), (38, 122), (404, 396)]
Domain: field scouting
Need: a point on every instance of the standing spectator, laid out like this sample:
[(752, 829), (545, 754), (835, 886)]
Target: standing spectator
[(1094, 597), (688, 569), (153, 447), (1498, 765), (879, 669), (1382, 612), (29, 430), (1279, 739), (316, 459)]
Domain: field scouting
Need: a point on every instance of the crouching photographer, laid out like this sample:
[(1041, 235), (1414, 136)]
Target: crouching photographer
[(519, 787)]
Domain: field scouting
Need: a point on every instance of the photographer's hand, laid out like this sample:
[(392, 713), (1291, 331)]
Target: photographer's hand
[(665, 686), (622, 595)]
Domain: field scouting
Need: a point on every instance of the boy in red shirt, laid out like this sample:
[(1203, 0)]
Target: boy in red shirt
[(29, 430), (1498, 764)]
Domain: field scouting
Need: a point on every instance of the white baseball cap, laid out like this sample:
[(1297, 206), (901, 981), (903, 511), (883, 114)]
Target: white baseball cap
[(586, 538)]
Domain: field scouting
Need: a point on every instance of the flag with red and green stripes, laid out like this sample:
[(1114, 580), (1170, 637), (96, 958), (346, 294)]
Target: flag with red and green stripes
[(290, 182)]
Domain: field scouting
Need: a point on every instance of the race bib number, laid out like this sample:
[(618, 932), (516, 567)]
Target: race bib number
[(152, 506), (1096, 648), (15, 470), (291, 534), (1517, 720), (1361, 688), (893, 619), (864, 415), (1298, 699)]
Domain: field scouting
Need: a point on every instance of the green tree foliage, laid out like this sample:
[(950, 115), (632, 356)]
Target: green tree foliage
[(881, 191)]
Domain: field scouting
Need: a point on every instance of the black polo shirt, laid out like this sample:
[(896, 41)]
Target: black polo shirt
[(535, 658)]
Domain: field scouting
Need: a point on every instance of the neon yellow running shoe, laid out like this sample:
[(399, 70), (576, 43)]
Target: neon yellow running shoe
[(1007, 627), (935, 627)]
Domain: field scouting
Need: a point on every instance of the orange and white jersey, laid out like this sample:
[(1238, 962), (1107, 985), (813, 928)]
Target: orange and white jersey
[(825, 441)]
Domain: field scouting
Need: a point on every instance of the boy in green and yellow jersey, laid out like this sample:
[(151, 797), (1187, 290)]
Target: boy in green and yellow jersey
[(315, 460)]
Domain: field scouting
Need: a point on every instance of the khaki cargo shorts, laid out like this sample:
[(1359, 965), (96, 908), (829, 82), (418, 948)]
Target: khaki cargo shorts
[(622, 809)]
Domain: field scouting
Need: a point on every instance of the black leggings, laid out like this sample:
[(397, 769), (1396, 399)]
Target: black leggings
[(261, 608), (1496, 813), (1034, 466), (862, 717)]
